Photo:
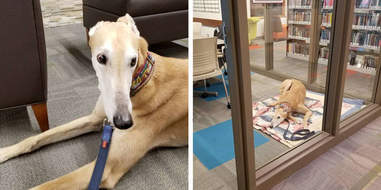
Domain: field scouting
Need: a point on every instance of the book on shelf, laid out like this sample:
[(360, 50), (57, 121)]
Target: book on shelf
[(327, 3), (324, 52), (375, 3), (299, 3), (298, 48), (366, 34), (365, 4), (299, 31), (368, 39), (364, 61), (369, 61), (367, 21), (325, 35), (300, 16), (326, 19)]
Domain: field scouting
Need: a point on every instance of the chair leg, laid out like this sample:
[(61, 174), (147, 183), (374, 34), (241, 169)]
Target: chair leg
[(205, 85), (226, 90), (41, 113)]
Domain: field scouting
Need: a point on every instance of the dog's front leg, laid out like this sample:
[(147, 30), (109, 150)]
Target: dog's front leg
[(77, 127), (76, 180), (307, 113), (292, 118), (127, 147)]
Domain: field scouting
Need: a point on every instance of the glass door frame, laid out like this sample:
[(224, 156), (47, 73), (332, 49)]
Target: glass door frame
[(235, 28)]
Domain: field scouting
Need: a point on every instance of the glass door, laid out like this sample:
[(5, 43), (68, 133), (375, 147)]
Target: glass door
[(363, 64), (288, 91), (287, 64)]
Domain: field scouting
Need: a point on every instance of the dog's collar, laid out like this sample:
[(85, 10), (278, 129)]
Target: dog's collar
[(143, 74)]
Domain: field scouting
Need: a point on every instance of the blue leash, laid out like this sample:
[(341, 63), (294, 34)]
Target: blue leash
[(96, 178)]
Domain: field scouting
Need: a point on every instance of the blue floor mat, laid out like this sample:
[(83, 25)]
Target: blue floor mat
[(214, 145), (217, 87)]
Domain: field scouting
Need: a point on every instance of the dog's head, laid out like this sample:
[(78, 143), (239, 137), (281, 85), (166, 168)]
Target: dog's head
[(281, 113), (117, 50)]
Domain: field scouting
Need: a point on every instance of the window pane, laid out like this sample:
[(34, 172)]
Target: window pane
[(363, 56), (287, 46)]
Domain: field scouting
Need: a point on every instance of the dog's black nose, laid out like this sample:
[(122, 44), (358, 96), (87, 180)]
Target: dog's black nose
[(120, 123)]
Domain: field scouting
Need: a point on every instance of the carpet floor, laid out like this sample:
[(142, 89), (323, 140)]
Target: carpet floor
[(72, 93)]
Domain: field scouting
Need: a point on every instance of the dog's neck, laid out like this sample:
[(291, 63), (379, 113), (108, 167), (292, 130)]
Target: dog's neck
[(143, 74)]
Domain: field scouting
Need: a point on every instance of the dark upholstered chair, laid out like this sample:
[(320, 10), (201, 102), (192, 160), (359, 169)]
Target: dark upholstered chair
[(23, 73), (157, 20)]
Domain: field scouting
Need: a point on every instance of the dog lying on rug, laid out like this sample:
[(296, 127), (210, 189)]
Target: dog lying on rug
[(141, 92), (263, 114), (291, 99)]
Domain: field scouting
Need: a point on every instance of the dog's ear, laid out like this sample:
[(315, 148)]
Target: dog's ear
[(93, 29), (143, 46), (285, 86), (127, 19)]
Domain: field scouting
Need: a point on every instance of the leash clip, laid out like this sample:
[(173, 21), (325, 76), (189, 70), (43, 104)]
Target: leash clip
[(107, 132), (106, 122)]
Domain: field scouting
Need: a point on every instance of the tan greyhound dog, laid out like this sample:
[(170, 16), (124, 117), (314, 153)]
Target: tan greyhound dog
[(141, 92), (291, 99)]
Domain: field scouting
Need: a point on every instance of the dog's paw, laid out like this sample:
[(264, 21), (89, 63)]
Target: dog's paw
[(3, 155), (7, 153)]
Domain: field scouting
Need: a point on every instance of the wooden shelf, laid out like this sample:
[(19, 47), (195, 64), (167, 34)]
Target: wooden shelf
[(306, 40), (371, 49), (377, 8), (300, 7), (327, 8), (366, 28), (326, 25), (366, 10), (299, 22)]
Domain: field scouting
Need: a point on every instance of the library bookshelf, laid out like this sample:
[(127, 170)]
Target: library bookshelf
[(309, 25)]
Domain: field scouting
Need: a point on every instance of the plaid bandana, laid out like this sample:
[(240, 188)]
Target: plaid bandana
[(142, 75)]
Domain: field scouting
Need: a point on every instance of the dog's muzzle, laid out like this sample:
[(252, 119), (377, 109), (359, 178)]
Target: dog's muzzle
[(121, 123)]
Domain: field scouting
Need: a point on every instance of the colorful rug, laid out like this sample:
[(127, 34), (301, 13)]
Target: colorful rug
[(262, 116), (214, 145)]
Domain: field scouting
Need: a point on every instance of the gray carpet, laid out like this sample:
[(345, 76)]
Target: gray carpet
[(72, 93)]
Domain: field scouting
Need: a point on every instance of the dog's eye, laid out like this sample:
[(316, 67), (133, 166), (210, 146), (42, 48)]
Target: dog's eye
[(278, 117), (101, 59), (133, 61)]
